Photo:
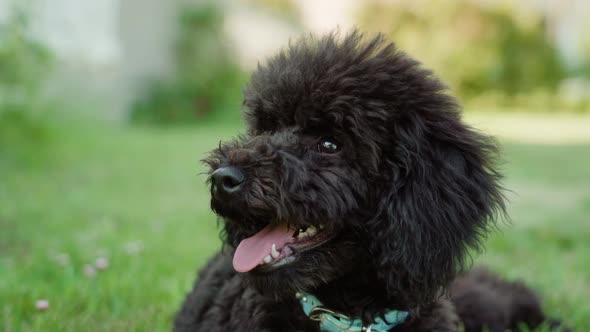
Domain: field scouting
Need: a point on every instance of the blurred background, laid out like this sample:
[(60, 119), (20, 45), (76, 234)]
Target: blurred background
[(106, 108)]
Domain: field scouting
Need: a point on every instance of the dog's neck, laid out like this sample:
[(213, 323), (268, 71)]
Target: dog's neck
[(360, 293)]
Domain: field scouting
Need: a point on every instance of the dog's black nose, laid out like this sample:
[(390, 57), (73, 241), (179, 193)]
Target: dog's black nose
[(227, 180)]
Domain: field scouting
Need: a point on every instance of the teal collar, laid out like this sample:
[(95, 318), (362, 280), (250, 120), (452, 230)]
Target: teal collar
[(331, 321)]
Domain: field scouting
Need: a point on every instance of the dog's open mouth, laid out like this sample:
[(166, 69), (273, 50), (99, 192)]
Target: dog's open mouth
[(277, 245)]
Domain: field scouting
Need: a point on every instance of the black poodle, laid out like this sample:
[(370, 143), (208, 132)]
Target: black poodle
[(352, 203)]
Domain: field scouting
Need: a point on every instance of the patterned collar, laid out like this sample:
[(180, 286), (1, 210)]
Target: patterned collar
[(331, 321)]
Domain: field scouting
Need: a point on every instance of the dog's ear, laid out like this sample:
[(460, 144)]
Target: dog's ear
[(440, 196)]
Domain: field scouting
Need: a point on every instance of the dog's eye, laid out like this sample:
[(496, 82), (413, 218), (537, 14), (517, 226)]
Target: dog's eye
[(328, 145)]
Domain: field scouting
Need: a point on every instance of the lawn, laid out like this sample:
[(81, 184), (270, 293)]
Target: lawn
[(135, 198)]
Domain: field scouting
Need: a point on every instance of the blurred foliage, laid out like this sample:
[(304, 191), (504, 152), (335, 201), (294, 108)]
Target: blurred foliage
[(285, 9), (206, 80), (482, 52), (24, 66)]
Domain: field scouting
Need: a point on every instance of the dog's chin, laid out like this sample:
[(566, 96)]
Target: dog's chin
[(280, 283)]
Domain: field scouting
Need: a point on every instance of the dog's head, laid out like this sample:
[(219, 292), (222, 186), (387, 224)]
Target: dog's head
[(354, 158)]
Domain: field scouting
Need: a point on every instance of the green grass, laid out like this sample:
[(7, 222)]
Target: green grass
[(104, 191)]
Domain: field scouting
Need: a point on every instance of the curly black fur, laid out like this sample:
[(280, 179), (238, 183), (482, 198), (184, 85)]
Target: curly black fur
[(410, 192)]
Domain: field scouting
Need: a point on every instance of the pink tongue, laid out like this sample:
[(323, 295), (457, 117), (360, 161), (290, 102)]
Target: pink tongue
[(252, 250)]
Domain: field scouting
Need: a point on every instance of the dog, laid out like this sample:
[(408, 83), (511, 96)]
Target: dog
[(353, 202)]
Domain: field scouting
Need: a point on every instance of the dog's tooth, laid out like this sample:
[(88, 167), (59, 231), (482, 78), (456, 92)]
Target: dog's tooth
[(273, 251), (322, 226), (267, 259), (302, 235), (311, 230)]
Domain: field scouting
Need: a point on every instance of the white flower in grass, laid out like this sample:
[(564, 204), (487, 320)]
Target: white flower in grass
[(134, 247), (42, 305), (101, 263), (61, 258), (89, 270)]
